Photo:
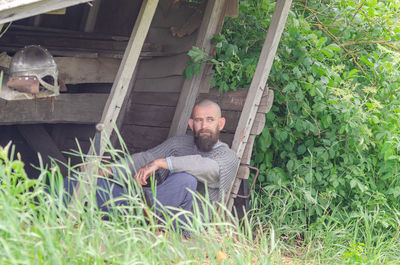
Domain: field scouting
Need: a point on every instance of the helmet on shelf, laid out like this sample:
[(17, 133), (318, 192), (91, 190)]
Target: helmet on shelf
[(33, 65)]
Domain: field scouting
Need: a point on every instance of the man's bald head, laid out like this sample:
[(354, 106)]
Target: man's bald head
[(206, 123), (208, 103)]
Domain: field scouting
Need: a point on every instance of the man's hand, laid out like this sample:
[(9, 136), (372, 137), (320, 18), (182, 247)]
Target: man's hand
[(106, 172), (145, 172)]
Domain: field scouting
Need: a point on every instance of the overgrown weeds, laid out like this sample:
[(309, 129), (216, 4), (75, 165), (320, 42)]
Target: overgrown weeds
[(38, 227)]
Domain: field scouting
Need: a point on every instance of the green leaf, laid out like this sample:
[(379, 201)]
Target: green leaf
[(301, 149), (188, 72), (196, 54), (351, 74), (266, 136), (353, 183), (328, 53), (290, 165)]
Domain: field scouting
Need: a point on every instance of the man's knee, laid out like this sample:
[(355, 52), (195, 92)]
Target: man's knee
[(185, 179)]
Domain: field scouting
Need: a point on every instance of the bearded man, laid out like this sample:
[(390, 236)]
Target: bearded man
[(183, 164)]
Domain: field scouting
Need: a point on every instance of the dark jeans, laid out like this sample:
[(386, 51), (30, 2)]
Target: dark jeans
[(173, 192)]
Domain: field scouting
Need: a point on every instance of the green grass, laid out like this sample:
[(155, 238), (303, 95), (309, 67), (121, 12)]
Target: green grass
[(38, 228)]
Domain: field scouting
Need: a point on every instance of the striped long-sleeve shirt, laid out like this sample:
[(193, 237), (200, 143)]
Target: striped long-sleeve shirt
[(216, 169)]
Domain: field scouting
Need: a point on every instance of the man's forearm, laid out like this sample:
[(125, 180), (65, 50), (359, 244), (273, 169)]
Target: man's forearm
[(204, 169), (160, 163)]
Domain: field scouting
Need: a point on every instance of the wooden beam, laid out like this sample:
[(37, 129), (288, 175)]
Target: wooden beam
[(74, 70), (214, 14), (127, 68), (232, 9), (92, 16), (116, 97), (258, 84), (19, 9), (124, 108), (41, 142), (65, 108)]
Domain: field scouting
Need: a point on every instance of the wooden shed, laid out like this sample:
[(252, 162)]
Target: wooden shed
[(121, 62)]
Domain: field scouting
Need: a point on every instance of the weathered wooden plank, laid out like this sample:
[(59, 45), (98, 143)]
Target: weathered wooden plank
[(232, 8), (86, 70), (171, 15), (100, 88), (166, 84), (18, 9), (205, 83), (190, 25), (40, 141), (127, 68), (151, 98), (259, 80), (66, 43), (81, 131), (258, 124), (149, 115), (170, 44), (65, 108), (232, 119), (64, 33), (119, 90), (17, 40), (84, 53), (118, 16), (261, 74), (140, 138), (214, 13), (73, 70), (235, 100), (246, 158), (226, 138), (266, 101), (243, 173), (232, 100), (165, 6), (125, 106), (208, 68), (91, 18), (58, 134), (162, 66)]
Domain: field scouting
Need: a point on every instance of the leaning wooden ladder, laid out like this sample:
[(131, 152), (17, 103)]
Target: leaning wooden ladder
[(116, 98), (244, 139)]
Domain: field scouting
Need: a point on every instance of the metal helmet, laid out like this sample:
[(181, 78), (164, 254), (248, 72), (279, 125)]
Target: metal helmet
[(35, 60)]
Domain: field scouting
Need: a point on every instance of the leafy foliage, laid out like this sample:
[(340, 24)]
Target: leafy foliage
[(334, 126), (13, 179), (332, 136)]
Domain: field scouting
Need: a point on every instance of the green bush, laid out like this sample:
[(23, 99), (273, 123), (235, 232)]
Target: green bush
[(332, 135)]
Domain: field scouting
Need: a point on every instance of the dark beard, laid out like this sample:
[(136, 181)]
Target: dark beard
[(205, 143)]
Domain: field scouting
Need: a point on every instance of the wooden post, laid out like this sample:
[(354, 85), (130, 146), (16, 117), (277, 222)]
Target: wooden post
[(259, 81), (127, 68), (212, 19), (119, 90), (41, 142), (92, 16)]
